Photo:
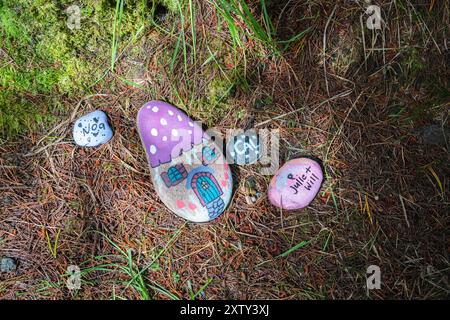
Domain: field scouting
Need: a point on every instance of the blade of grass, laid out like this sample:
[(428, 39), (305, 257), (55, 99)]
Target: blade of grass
[(175, 53), (137, 280), (224, 11), (436, 177), (193, 31), (202, 289), (367, 209), (129, 43), (172, 239), (132, 83), (116, 32), (53, 248), (294, 248), (297, 37), (267, 21), (181, 40)]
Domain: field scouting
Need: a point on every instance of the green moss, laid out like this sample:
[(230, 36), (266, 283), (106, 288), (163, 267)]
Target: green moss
[(411, 64), (215, 101), (215, 104), (18, 115), (219, 89), (437, 95), (171, 5), (41, 55)]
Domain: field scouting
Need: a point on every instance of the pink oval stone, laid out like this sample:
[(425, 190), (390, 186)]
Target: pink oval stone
[(296, 184)]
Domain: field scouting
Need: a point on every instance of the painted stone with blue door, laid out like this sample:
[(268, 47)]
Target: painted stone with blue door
[(208, 192), (189, 172)]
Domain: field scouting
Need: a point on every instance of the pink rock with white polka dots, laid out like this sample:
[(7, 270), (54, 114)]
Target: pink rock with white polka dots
[(189, 171)]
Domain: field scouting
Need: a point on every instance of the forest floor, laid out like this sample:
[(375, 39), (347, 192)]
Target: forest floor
[(372, 104)]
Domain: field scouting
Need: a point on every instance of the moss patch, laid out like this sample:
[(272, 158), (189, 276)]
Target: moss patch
[(41, 55)]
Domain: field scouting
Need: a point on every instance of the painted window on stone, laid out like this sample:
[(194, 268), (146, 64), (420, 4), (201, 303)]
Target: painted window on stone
[(174, 174)]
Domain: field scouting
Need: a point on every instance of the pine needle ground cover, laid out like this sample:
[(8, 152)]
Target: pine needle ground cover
[(371, 103)]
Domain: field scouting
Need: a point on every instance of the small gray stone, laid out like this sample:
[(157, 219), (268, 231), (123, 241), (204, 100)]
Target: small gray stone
[(92, 130), (434, 135), (7, 201), (244, 148), (251, 191), (8, 264)]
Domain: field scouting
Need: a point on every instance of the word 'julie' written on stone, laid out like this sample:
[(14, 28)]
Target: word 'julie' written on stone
[(305, 180)]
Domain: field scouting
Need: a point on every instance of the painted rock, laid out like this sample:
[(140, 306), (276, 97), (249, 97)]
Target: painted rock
[(189, 171), (92, 130), (244, 148), (296, 184)]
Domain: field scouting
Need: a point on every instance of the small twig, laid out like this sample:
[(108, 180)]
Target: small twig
[(404, 209), (325, 49)]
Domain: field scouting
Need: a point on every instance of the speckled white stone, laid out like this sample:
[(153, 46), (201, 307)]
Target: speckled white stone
[(92, 130)]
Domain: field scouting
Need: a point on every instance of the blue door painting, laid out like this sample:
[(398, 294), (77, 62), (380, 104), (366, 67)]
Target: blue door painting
[(208, 192)]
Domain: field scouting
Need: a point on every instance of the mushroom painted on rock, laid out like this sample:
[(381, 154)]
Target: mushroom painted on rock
[(189, 171)]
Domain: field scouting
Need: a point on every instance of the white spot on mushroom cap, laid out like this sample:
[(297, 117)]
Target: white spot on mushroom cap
[(191, 124), (163, 122), (164, 138), (154, 132), (155, 109), (170, 113), (179, 118), (175, 132), (152, 149)]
